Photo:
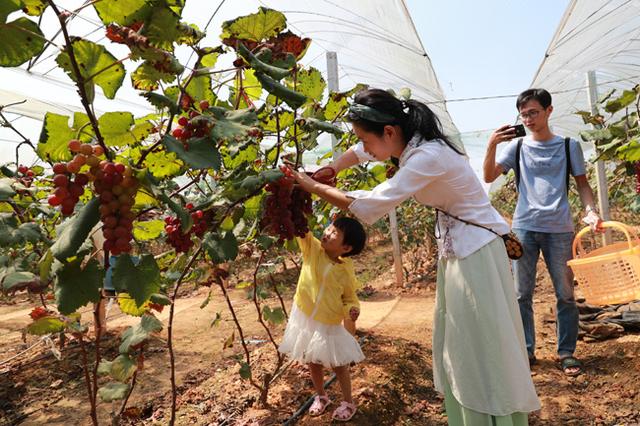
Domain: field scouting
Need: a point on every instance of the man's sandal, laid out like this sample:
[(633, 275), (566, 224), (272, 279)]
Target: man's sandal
[(344, 412), (570, 363), (320, 403)]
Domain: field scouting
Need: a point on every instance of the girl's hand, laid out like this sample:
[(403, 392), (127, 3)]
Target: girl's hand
[(354, 313)]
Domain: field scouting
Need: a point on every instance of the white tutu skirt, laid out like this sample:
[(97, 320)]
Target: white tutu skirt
[(307, 340)]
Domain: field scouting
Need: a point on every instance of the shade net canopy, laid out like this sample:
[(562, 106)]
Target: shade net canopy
[(375, 41), (599, 36)]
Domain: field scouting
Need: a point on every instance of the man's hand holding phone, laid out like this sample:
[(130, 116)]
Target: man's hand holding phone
[(506, 133)]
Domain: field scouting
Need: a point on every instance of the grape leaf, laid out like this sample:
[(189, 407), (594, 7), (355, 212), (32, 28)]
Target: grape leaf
[(113, 391), (22, 39), (46, 325), (147, 230), (148, 77), (140, 280), (122, 368), (97, 66), (162, 28), (128, 305), (8, 6), (34, 7), (123, 12), (77, 231), (221, 249), (264, 24), (309, 83), (77, 286), (201, 154), (138, 333)]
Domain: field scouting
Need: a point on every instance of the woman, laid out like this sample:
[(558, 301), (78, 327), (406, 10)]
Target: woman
[(479, 357)]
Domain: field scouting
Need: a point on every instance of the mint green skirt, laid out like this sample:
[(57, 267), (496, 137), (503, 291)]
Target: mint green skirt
[(458, 415)]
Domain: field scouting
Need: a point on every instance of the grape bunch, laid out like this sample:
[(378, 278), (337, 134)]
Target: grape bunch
[(180, 241), (25, 175), (116, 187), (69, 188), (189, 129), (285, 209), (637, 168)]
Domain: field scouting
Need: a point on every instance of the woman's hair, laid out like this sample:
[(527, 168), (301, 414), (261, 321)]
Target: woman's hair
[(353, 233), (390, 110)]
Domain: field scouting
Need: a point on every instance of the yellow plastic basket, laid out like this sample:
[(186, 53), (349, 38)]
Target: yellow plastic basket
[(610, 274)]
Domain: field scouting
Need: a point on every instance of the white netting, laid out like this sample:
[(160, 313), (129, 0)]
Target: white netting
[(600, 36), (375, 41)]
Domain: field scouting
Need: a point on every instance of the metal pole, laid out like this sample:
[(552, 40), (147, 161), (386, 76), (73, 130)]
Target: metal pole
[(601, 174), (333, 84)]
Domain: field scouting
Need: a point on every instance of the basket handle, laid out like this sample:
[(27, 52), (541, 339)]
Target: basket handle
[(628, 232)]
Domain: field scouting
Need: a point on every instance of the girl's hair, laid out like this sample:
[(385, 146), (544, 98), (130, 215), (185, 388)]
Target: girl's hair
[(418, 118), (353, 234)]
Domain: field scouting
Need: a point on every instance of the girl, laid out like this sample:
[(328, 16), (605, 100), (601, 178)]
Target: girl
[(479, 356), (325, 294)]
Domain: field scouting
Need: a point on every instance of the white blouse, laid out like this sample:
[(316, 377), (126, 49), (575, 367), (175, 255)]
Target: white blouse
[(437, 176)]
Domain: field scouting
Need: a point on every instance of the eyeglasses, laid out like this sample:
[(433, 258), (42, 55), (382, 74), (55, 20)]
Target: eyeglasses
[(530, 114)]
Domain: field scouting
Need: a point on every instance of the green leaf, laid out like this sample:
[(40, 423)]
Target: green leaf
[(630, 151), (138, 333), (202, 152), (336, 106), (75, 286), (161, 102), (96, 67), (129, 306), (104, 367), (255, 63), (147, 77), (256, 27), (140, 281), (122, 368), (44, 266), (123, 12), (163, 164), (116, 128), (245, 370), (77, 231), (627, 98), (160, 299), (292, 98), (221, 249), (310, 83), (6, 189), (199, 89), (113, 391), (34, 7), (275, 316), (8, 6), (186, 221), (17, 280), (46, 325), (596, 134), (162, 28), (21, 41), (232, 126), (148, 230), (189, 34)]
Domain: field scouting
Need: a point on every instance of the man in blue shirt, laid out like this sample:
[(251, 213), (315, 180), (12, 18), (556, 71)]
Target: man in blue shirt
[(542, 220)]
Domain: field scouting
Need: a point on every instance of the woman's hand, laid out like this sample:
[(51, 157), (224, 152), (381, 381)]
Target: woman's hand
[(354, 313), (502, 134), (305, 181)]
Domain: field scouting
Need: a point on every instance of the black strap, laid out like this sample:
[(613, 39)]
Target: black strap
[(516, 171), (567, 154)]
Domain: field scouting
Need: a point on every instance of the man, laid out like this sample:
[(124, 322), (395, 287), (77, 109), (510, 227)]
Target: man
[(542, 219)]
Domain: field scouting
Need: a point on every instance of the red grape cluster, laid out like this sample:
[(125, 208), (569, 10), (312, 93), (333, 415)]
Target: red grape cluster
[(189, 129), (116, 187), (25, 175), (637, 167), (69, 189), (285, 209), (180, 241)]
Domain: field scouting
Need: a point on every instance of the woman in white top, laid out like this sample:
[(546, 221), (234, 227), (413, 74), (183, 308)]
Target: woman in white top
[(479, 358)]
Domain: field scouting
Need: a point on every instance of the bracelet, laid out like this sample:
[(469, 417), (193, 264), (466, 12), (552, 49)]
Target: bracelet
[(590, 209)]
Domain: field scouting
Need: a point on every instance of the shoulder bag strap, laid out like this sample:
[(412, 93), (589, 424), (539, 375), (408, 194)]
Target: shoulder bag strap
[(567, 152), (516, 171)]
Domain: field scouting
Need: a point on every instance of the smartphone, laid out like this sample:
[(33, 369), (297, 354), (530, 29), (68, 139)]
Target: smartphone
[(519, 130)]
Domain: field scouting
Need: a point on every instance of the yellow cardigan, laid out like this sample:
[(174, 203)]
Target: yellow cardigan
[(326, 290)]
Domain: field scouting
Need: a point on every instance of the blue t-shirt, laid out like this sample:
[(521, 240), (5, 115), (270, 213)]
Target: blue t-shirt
[(542, 203)]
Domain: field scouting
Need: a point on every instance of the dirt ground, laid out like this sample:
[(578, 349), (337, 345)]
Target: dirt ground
[(393, 386)]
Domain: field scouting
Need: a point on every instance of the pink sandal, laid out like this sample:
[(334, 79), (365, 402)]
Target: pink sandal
[(320, 403), (344, 412)]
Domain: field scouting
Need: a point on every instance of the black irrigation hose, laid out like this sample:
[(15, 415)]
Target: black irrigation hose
[(304, 407)]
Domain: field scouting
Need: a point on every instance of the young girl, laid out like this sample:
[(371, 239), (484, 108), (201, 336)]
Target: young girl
[(324, 296), (479, 358)]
